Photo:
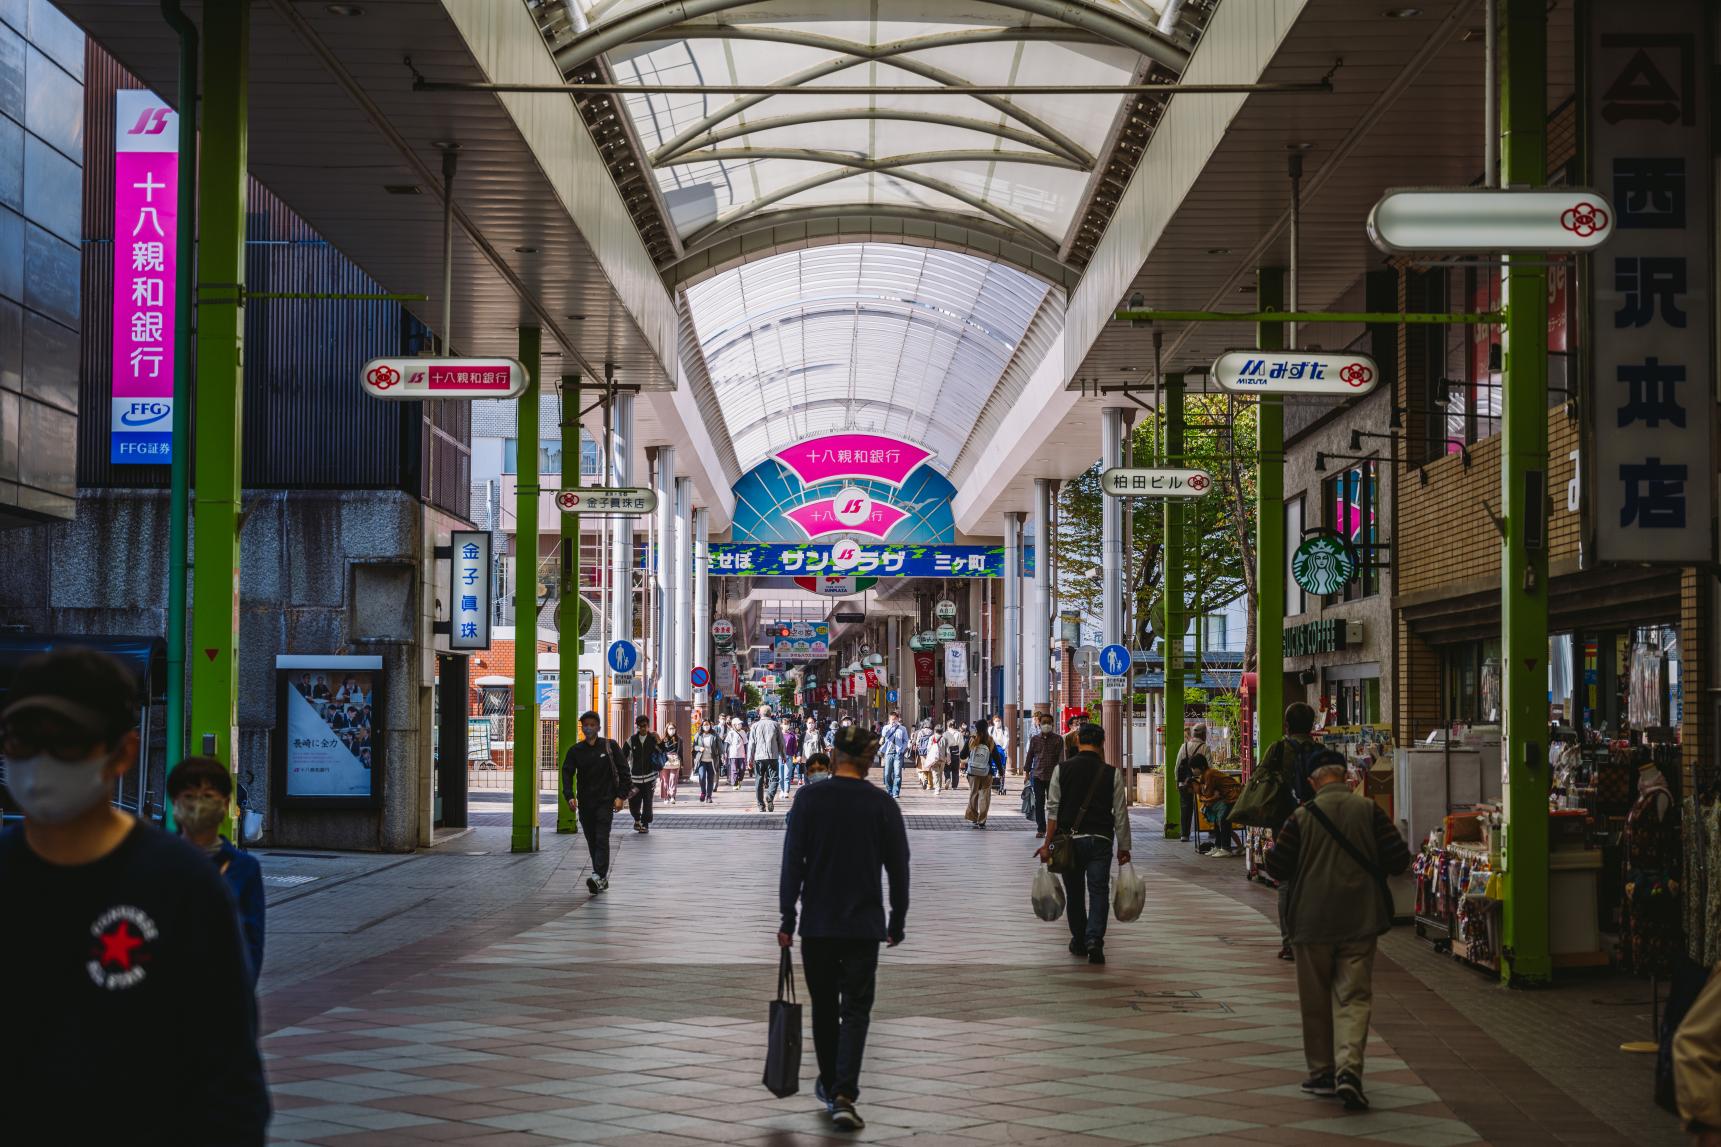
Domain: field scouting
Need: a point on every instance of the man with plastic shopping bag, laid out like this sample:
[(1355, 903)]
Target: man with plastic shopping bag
[(1087, 796), (840, 835), (1048, 895)]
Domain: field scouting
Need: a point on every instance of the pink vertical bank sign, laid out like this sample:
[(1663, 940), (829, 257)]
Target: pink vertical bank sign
[(146, 224)]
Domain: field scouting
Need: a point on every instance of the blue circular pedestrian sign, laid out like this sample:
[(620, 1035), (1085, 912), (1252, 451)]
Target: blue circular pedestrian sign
[(623, 656), (1114, 661), (890, 697)]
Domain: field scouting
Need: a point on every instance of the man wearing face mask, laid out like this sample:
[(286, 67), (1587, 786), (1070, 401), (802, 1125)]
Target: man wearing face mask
[(201, 790), (132, 934)]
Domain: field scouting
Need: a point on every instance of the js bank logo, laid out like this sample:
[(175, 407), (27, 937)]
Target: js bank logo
[(150, 121), (145, 413)]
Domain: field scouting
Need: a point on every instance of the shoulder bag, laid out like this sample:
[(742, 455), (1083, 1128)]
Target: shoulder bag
[(1355, 854), (1061, 849)]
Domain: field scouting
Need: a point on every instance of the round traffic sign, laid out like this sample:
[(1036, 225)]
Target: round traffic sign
[(1114, 660), (701, 676), (623, 656)]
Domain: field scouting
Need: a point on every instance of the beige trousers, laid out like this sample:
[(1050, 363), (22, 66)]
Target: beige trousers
[(979, 799), (1335, 988)]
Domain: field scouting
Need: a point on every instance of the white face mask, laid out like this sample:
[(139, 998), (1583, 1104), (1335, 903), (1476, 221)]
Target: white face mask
[(52, 791), (197, 813)]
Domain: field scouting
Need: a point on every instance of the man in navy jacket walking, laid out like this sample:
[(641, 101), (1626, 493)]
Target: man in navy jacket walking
[(839, 836)]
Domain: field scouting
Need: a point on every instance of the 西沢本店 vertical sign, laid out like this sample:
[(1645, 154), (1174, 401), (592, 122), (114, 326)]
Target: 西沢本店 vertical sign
[(146, 226), (1650, 379)]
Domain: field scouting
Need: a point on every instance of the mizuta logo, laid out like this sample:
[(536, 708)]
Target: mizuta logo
[(151, 121)]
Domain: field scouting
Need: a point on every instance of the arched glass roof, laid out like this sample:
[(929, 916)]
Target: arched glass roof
[(729, 163), (906, 341)]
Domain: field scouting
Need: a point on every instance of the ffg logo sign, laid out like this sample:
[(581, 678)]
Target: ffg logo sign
[(146, 413)]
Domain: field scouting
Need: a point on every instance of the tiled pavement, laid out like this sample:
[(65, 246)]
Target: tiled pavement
[(637, 1017)]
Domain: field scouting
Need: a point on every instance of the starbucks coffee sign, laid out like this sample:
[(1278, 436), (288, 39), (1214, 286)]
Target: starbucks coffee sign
[(1323, 563), (1328, 635)]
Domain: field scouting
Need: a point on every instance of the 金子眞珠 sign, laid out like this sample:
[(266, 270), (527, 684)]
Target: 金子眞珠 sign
[(1295, 372), (606, 501), (469, 620)]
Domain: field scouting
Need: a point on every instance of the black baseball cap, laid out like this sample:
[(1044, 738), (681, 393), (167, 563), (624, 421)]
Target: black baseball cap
[(87, 687)]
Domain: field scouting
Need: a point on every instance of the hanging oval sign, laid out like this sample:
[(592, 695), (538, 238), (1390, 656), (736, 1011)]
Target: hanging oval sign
[(1323, 563), (1480, 220), (396, 378), (1295, 372), (945, 609), (947, 633)]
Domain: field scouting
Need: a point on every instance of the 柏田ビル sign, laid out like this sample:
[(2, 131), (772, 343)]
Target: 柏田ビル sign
[(607, 501), (444, 378), (146, 229), (1122, 482), (469, 621), (770, 559), (1485, 219), (1647, 464), (1295, 372)]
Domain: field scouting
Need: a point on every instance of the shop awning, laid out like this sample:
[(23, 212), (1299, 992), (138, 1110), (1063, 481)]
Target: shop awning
[(146, 657)]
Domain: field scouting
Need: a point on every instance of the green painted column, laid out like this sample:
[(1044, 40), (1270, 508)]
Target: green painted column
[(569, 643), (1270, 555), (220, 381), (525, 834), (1175, 615), (1523, 494)]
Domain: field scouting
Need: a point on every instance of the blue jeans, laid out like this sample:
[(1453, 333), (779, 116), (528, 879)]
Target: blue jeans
[(1088, 917), (785, 774), (893, 774)]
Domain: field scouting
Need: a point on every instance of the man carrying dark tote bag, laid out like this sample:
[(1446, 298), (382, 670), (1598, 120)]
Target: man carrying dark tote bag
[(840, 833), (783, 1046)]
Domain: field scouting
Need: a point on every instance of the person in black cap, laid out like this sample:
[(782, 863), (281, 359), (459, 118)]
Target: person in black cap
[(132, 940), (839, 835)]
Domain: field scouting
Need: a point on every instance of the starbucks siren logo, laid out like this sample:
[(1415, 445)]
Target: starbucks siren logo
[(1323, 563)]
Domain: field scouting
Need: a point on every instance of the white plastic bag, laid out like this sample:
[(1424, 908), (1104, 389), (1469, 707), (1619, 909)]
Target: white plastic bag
[(1129, 894), (1048, 895)]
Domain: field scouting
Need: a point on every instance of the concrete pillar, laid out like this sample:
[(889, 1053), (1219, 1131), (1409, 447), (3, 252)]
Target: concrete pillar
[(678, 627), (1111, 580), (621, 565), (1011, 654), (1037, 656), (664, 567)]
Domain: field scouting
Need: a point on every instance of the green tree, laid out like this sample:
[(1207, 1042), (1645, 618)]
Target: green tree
[(1219, 559)]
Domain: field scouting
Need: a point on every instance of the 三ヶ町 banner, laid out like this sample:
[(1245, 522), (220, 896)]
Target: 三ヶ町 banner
[(845, 556)]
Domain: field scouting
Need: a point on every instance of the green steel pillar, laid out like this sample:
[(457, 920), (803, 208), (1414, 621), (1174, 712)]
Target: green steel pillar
[(525, 835), (220, 381), (1523, 496), (1270, 556), (569, 643), (1173, 595)]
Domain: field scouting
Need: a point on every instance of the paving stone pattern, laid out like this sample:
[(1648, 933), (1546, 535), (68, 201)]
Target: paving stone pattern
[(637, 1017)]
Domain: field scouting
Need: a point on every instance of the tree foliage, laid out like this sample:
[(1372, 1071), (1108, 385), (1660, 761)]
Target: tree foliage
[(1219, 531)]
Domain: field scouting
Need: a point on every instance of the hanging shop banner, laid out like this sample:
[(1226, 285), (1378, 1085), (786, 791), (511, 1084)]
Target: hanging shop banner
[(799, 640), (956, 666), (607, 501), (868, 485), (925, 668), (774, 560), (1323, 563), (469, 625), (326, 738), (412, 378), (836, 586), (727, 677), (1121, 482), (146, 231), (1344, 373), (1478, 220), (1650, 395)]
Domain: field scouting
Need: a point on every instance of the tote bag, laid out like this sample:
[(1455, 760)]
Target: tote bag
[(783, 1046)]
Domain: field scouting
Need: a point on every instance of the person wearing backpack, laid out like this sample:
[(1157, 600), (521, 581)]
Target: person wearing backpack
[(644, 761), (1191, 763), (983, 757), (1218, 791), (1334, 855)]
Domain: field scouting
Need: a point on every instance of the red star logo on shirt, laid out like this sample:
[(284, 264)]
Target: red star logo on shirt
[(118, 943)]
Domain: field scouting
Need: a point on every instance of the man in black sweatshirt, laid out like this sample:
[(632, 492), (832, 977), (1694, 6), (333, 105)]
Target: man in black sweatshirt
[(125, 943), (595, 778), (839, 835)]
